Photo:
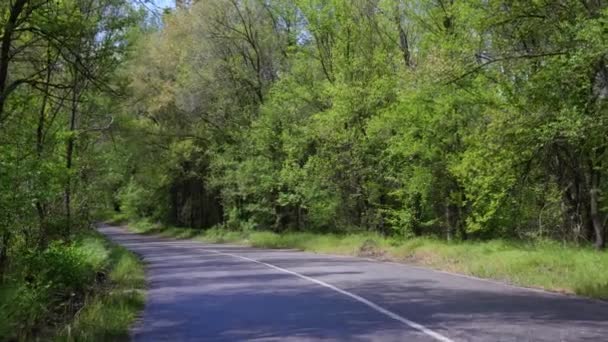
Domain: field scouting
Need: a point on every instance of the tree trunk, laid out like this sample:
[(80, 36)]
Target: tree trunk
[(69, 158), (403, 38), (4, 254), (5, 48), (594, 212), (417, 208), (462, 229), (448, 222), (40, 207)]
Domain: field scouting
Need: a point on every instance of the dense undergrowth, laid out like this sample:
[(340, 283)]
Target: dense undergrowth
[(86, 290), (540, 264)]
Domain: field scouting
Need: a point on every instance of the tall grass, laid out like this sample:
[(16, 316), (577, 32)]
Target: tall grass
[(107, 314), (540, 264), (88, 290)]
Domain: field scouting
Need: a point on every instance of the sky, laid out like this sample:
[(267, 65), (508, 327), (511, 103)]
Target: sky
[(164, 3)]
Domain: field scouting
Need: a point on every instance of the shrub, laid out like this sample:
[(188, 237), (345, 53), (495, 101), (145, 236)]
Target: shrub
[(60, 267), (23, 307)]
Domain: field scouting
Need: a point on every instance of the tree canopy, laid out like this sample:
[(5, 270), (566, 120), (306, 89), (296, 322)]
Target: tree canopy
[(453, 118)]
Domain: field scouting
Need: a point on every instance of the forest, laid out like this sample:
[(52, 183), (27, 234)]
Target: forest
[(448, 119), (458, 119)]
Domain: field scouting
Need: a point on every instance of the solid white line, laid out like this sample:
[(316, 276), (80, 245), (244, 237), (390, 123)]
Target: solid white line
[(360, 299)]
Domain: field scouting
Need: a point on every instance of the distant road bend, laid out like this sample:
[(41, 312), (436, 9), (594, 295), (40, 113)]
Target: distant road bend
[(208, 292)]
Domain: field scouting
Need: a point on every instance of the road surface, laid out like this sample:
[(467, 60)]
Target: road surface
[(209, 292)]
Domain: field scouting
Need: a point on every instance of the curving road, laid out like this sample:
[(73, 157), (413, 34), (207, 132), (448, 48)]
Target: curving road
[(208, 292)]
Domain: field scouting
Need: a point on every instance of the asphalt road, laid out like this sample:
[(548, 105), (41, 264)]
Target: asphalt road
[(208, 292)]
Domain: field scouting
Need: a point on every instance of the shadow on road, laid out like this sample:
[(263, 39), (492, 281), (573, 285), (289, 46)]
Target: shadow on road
[(194, 294)]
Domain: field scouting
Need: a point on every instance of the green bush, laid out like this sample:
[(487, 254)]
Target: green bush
[(46, 288), (141, 200), (23, 307), (107, 315), (60, 267)]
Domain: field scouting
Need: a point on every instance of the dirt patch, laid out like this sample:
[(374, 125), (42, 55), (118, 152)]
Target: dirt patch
[(370, 249)]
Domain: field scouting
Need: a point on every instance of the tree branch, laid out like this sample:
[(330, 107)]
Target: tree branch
[(503, 59)]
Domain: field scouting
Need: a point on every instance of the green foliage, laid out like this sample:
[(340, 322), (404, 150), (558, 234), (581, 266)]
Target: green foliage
[(108, 315), (46, 289), (105, 318), (23, 308), (58, 91), (403, 118), (68, 268), (57, 79)]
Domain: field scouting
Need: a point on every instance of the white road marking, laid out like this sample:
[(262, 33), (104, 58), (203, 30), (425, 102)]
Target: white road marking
[(360, 299)]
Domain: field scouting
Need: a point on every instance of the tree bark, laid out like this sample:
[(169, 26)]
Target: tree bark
[(403, 38), (5, 48), (448, 221), (4, 254), (70, 155), (40, 207), (594, 212)]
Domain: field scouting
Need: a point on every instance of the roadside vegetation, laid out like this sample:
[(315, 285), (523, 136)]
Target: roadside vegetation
[(59, 64), (543, 264), (85, 290)]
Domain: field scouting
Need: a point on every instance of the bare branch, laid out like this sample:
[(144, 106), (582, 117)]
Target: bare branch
[(503, 59)]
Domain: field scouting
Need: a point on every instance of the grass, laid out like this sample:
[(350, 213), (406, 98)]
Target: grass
[(108, 314), (541, 264), (105, 295)]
